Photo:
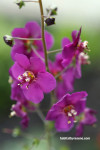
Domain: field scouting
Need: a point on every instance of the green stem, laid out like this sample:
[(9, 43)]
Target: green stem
[(43, 34), (54, 51), (30, 1), (37, 54), (30, 39)]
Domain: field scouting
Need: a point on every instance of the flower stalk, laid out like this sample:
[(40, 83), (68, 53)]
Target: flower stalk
[(43, 34)]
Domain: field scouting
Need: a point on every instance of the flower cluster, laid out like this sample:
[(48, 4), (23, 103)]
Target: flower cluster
[(30, 79)]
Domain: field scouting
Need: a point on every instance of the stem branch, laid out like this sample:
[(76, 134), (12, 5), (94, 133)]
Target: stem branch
[(43, 35), (54, 51), (37, 54), (30, 39)]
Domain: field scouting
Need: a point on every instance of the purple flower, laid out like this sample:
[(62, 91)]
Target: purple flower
[(87, 118), (64, 112), (65, 81), (74, 48), (19, 111), (32, 77), (31, 30)]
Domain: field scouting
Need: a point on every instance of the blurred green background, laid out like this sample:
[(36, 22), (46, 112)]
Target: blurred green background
[(67, 20)]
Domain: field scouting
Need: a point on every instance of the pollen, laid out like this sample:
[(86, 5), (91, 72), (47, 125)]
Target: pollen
[(26, 77), (70, 113), (69, 122)]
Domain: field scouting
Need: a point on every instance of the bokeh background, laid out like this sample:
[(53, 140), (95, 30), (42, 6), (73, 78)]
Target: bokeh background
[(71, 15)]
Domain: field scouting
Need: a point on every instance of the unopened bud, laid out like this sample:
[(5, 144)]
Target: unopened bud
[(50, 21), (20, 3), (8, 40)]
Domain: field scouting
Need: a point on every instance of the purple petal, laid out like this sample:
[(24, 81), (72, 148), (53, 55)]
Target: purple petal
[(66, 62), (17, 48), (60, 90), (52, 114), (62, 123), (78, 73), (34, 93), (68, 51), (90, 118), (33, 29), (22, 60), (25, 121), (46, 81), (68, 78), (16, 92), (74, 35), (79, 130), (37, 65), (76, 41), (78, 96), (80, 106), (17, 70), (65, 41), (19, 32), (49, 40)]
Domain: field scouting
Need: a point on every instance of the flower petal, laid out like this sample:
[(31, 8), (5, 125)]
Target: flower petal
[(37, 65), (65, 41), (74, 34), (46, 81), (22, 60), (79, 130), (17, 48), (34, 93), (33, 29), (17, 70), (49, 40), (68, 51), (62, 123), (19, 32), (78, 96), (80, 106)]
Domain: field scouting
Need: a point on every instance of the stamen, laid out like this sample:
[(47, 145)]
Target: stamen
[(72, 111), (25, 74), (69, 114), (85, 43), (27, 79), (69, 122), (19, 77)]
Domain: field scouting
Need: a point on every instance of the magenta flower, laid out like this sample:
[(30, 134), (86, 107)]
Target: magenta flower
[(32, 77), (87, 118), (18, 110), (31, 30), (65, 82), (64, 112), (74, 48)]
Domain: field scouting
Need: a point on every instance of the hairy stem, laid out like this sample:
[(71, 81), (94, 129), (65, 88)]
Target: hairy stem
[(37, 54), (43, 34), (30, 39), (30, 1), (54, 51)]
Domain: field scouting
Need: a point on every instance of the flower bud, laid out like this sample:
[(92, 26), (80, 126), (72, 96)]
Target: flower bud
[(52, 11), (8, 40), (20, 3), (50, 21)]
